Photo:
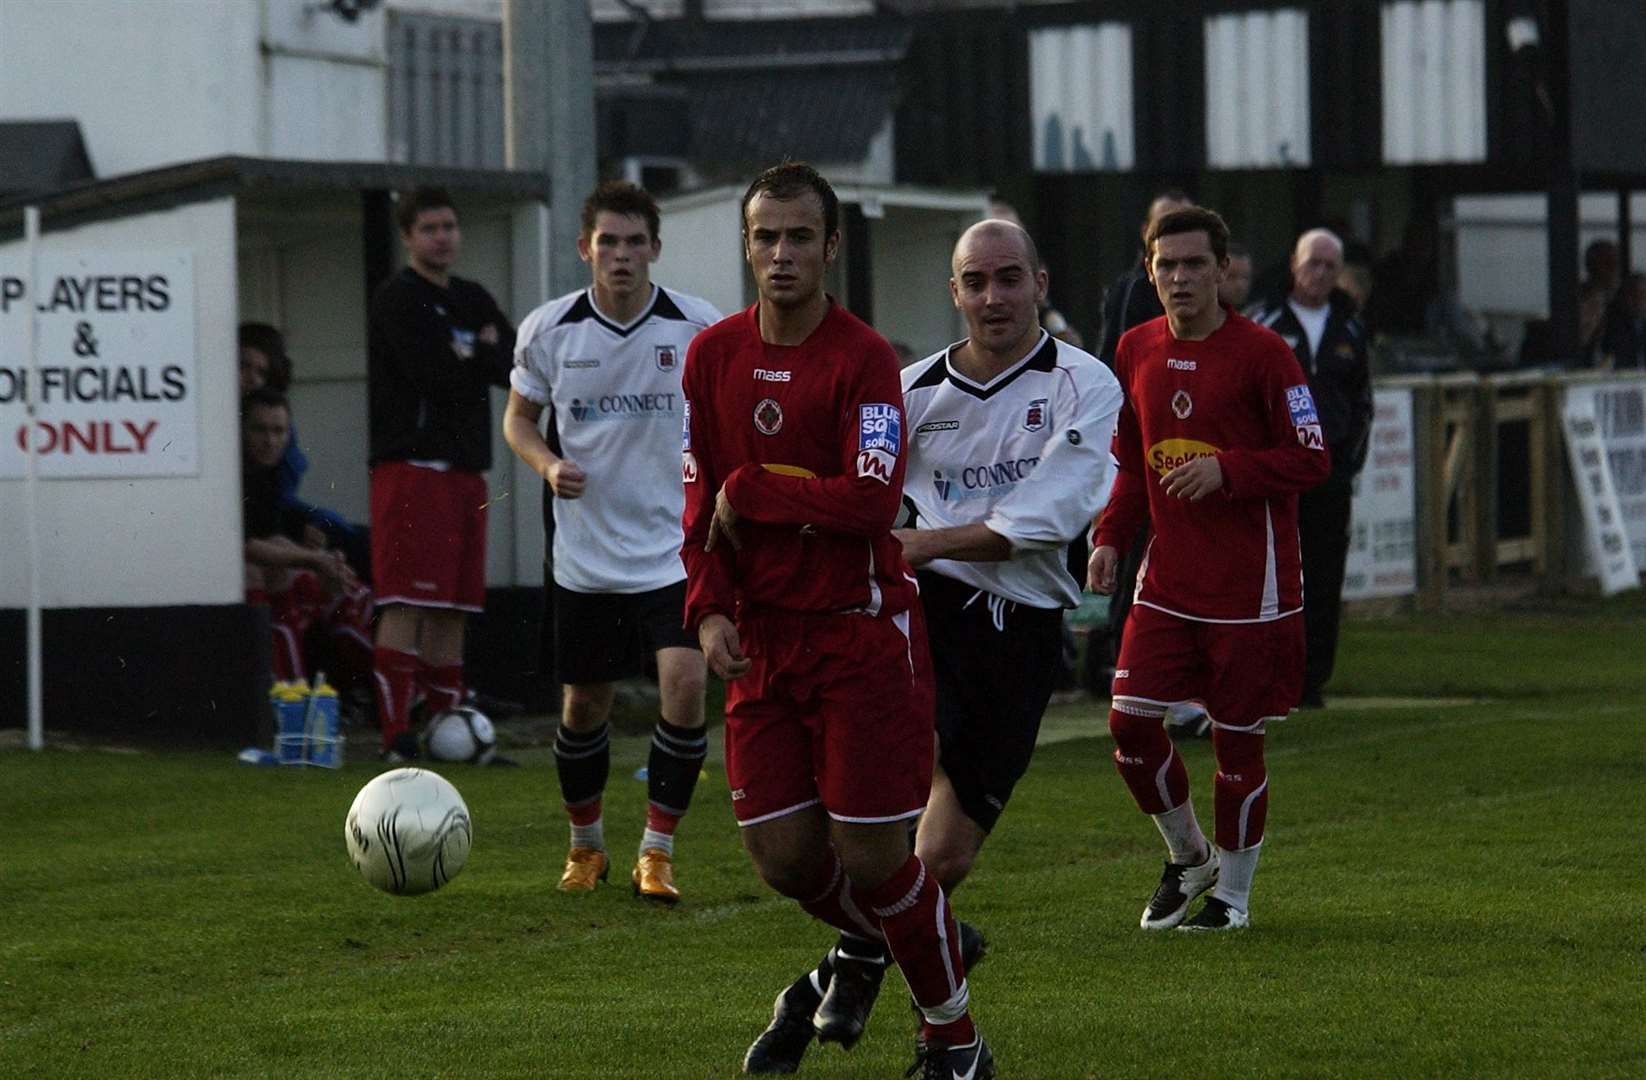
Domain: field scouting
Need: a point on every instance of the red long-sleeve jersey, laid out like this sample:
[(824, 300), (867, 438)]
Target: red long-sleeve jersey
[(1241, 396), (808, 442)]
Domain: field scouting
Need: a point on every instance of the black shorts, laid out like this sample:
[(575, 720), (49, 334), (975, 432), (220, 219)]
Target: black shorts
[(603, 637), (995, 663)]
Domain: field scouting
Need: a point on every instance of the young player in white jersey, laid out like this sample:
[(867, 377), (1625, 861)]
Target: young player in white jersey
[(1009, 434), (607, 362)]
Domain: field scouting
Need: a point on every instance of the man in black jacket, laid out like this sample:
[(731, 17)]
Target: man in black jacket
[(1319, 322), (438, 343)]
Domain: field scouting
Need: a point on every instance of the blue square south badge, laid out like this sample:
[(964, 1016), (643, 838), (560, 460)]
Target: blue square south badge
[(880, 427)]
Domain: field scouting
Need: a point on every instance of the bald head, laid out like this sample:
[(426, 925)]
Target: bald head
[(993, 232), (1316, 263)]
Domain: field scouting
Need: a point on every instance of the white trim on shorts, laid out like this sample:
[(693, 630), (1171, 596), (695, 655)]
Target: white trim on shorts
[(414, 601), (786, 811), (906, 815)]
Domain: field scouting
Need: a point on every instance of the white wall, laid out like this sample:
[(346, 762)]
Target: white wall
[(1503, 247), (156, 82), (147, 541), (703, 248)]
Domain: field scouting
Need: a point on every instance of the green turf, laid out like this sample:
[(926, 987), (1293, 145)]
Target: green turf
[(1446, 890)]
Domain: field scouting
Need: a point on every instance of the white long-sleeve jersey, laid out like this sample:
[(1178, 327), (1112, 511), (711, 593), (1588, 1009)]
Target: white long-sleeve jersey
[(1026, 455)]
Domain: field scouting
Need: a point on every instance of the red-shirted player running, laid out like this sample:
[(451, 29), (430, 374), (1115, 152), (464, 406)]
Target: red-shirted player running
[(793, 466), (1217, 437)]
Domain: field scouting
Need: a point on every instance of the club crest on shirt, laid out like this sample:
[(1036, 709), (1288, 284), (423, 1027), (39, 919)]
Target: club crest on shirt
[(1182, 405), (1034, 417), (768, 416), (667, 357)]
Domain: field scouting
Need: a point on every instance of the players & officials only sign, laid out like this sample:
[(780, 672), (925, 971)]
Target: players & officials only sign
[(117, 378)]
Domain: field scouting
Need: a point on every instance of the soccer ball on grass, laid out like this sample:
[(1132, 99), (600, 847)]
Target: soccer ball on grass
[(464, 734), (408, 831)]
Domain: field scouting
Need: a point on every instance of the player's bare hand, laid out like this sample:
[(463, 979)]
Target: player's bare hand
[(488, 334), (312, 536), (565, 479), (722, 647), (916, 551), (1100, 570), (724, 523), (334, 569), (1194, 480)]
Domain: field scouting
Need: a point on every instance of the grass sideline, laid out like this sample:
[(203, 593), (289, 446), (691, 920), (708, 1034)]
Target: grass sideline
[(1446, 890)]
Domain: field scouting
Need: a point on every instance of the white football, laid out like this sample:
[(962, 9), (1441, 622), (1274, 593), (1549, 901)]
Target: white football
[(408, 831), (464, 734)]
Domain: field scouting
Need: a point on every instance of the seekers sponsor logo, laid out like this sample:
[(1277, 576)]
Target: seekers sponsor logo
[(767, 375), (1301, 404), (955, 483), (879, 440), (1034, 417), (1182, 404), (937, 425), (1175, 364), (768, 417), (1168, 454), (623, 407)]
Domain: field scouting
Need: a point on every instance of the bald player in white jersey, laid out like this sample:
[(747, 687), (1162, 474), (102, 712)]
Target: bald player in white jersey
[(1009, 434), (607, 362)]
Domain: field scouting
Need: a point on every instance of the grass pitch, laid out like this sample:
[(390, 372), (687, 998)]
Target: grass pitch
[(1447, 889)]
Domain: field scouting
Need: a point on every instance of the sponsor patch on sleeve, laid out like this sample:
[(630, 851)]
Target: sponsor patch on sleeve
[(688, 467), (686, 428), (1305, 419), (879, 440)]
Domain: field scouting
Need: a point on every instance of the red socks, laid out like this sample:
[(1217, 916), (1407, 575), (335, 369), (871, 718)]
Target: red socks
[(395, 675), (920, 931)]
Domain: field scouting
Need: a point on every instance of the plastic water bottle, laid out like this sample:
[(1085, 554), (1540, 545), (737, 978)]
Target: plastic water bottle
[(325, 739), (290, 701)]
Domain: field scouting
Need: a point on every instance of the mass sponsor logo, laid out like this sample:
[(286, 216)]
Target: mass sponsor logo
[(1168, 454), (1182, 404), (623, 407), (1180, 365), (667, 357), (768, 417), (688, 467), (768, 375), (955, 483), (1301, 404), (937, 425), (1034, 417)]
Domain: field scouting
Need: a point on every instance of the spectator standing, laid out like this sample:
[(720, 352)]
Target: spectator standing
[(606, 361), (1236, 287), (1624, 342), (1318, 321), (437, 344)]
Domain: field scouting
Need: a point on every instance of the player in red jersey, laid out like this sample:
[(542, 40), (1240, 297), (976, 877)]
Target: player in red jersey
[(793, 465), (1218, 435)]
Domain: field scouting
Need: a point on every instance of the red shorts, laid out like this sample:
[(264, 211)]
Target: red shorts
[(831, 712), (428, 536), (1244, 672)]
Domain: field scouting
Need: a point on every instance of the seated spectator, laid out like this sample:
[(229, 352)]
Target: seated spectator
[(1623, 342), (265, 363), (289, 568)]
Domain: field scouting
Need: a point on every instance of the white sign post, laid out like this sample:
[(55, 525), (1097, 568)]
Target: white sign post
[(1604, 526), (114, 394), (1383, 521)]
